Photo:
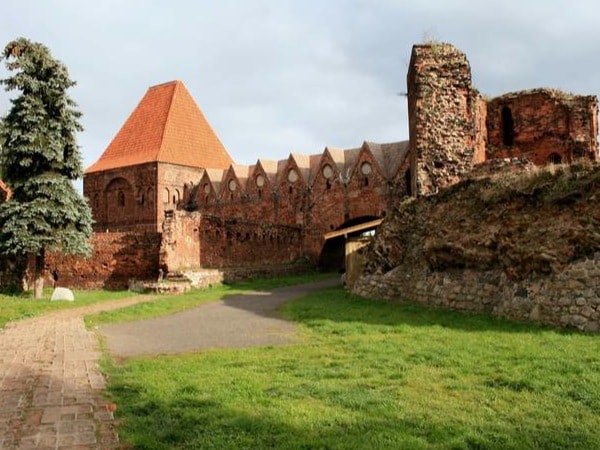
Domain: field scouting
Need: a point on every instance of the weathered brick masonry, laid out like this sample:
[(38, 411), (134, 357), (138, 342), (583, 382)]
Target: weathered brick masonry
[(167, 172), (446, 118), (522, 248), (544, 125), (194, 241), (116, 258)]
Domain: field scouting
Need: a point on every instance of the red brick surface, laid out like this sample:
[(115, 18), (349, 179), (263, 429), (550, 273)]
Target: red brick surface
[(548, 126), (222, 214), (116, 258)]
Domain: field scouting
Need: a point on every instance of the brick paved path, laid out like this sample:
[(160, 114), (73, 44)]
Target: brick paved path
[(50, 384)]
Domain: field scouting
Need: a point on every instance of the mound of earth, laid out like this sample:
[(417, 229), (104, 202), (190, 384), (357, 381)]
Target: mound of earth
[(522, 220)]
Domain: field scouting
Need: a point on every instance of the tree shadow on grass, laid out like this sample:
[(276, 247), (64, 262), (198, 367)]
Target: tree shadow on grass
[(266, 303), (190, 421)]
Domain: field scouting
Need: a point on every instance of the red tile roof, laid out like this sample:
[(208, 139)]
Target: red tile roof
[(166, 126)]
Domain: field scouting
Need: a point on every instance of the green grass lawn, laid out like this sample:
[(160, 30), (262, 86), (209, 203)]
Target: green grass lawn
[(370, 375), (22, 306), (15, 307)]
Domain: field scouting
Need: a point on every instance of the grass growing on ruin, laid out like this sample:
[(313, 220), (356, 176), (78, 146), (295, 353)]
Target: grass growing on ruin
[(15, 307), (171, 304), (371, 375)]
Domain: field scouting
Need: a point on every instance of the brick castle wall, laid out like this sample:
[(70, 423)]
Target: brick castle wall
[(192, 241), (543, 125), (116, 258)]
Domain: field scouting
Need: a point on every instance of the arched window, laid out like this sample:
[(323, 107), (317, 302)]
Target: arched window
[(118, 193), (508, 126), (166, 195), (150, 196)]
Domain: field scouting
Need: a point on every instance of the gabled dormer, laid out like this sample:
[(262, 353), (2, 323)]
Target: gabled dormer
[(209, 188)]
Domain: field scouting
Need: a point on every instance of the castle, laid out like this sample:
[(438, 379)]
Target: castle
[(167, 192)]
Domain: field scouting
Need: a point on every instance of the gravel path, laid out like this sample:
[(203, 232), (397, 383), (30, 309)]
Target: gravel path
[(237, 321)]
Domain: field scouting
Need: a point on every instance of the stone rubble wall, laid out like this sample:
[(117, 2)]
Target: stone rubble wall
[(569, 299), (446, 117)]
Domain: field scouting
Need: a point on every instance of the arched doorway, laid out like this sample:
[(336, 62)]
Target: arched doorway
[(332, 256), (554, 158)]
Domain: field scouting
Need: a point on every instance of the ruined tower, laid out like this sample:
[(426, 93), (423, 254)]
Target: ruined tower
[(543, 125), (446, 118)]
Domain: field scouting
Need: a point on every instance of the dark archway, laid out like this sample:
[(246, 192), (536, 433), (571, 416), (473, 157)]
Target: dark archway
[(508, 127), (555, 158), (333, 253)]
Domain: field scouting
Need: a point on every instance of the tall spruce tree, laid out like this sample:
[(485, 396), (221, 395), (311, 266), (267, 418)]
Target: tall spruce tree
[(40, 159)]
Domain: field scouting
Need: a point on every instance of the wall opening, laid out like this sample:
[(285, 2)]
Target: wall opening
[(408, 182), (578, 152), (333, 253), (508, 126), (555, 158)]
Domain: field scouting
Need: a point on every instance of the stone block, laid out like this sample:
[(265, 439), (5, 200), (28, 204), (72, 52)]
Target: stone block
[(62, 294)]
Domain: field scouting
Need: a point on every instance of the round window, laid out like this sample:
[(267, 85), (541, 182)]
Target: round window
[(366, 168), (292, 176), (327, 171), (206, 188), (232, 185), (260, 181)]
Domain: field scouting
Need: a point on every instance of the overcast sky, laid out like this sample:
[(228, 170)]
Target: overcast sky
[(276, 76)]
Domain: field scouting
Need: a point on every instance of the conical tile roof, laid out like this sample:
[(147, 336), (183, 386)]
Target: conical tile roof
[(166, 126)]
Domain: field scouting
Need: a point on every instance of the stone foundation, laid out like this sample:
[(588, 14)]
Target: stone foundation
[(570, 298)]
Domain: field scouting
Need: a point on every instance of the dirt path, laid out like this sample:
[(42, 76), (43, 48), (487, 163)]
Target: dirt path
[(237, 321)]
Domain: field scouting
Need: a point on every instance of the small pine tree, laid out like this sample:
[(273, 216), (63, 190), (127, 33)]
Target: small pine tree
[(40, 159)]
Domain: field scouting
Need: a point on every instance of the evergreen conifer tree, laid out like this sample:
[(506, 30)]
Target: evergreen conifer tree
[(40, 159)]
